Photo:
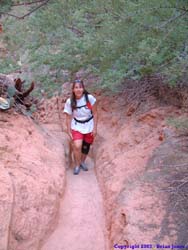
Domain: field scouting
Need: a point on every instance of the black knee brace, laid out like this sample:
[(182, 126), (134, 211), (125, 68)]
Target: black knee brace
[(85, 147)]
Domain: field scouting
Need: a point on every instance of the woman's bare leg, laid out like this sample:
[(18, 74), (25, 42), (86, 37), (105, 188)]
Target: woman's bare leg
[(77, 146)]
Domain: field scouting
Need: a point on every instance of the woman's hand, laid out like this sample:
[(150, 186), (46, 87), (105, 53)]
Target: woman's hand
[(95, 117), (70, 134), (94, 132)]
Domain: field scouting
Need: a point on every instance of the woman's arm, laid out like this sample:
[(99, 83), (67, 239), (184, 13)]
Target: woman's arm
[(95, 117), (68, 123)]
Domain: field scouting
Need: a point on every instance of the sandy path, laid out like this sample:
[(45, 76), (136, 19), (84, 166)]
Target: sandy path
[(81, 223)]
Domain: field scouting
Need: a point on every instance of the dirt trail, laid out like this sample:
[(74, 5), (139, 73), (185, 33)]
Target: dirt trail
[(81, 223)]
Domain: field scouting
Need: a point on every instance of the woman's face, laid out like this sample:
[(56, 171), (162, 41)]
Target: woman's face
[(78, 90)]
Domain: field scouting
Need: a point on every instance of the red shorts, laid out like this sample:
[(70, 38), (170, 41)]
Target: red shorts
[(79, 136)]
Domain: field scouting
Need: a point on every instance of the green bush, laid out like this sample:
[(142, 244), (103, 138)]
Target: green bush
[(115, 39)]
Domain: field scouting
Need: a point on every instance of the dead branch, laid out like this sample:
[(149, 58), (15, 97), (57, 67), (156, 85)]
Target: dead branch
[(139, 92), (29, 3), (172, 19), (28, 91), (76, 31), (19, 84), (178, 165), (182, 184), (15, 89), (27, 14)]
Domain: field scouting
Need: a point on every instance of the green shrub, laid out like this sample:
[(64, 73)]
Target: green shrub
[(114, 39)]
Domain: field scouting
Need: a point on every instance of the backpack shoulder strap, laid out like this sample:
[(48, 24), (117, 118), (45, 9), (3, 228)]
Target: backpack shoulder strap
[(86, 97), (88, 104)]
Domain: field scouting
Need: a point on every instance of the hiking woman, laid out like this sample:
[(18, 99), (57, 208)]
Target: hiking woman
[(81, 121)]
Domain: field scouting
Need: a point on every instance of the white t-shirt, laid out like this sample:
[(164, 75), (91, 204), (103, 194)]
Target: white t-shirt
[(81, 114)]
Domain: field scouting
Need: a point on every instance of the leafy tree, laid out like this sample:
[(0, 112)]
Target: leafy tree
[(5, 5), (115, 39)]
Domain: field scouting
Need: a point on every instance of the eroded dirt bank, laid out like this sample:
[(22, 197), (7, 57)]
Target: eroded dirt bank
[(140, 166), (32, 182)]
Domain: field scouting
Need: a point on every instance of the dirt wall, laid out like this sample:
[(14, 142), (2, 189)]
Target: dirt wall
[(32, 181), (129, 155)]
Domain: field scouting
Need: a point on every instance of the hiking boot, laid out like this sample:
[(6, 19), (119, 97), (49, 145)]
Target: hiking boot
[(76, 170), (83, 166)]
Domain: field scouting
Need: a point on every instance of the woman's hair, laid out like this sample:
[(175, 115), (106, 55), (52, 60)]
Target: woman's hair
[(73, 97)]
